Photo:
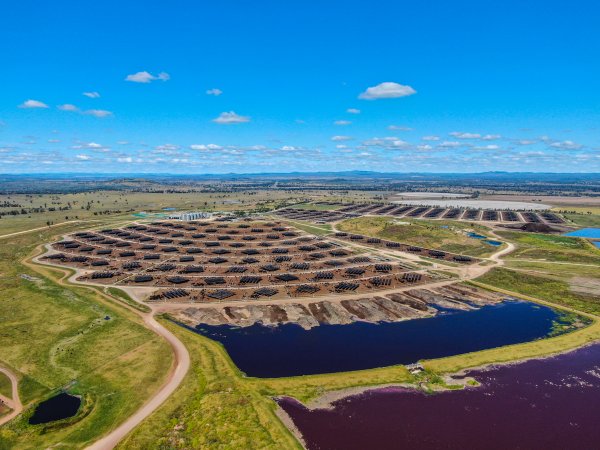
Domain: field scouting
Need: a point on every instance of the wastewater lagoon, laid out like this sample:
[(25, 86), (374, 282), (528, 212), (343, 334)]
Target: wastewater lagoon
[(549, 403), (289, 350)]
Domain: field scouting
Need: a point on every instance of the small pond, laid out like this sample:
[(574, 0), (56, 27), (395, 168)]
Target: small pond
[(288, 350), (61, 406), (485, 239), (492, 242), (475, 235)]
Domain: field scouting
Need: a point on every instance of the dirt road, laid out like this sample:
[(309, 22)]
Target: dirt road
[(178, 371), (181, 366), (15, 402)]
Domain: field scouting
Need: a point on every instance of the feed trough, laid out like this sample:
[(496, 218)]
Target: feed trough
[(177, 280), (220, 294), (306, 289), (345, 286), (264, 292), (193, 269), (250, 279), (217, 260), (286, 277), (142, 278)]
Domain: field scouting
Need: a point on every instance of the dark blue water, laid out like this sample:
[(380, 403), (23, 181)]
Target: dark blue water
[(592, 233), (59, 407), (288, 350)]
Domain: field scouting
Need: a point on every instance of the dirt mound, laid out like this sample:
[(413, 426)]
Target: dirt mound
[(538, 228)]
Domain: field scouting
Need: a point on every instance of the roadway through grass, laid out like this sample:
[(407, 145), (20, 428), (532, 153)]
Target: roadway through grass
[(55, 338)]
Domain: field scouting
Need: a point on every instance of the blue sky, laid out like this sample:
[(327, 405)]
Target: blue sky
[(237, 86)]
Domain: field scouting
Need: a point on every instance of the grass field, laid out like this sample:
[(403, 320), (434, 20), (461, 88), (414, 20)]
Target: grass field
[(585, 220), (551, 248), (56, 337), (448, 236), (108, 204), (5, 386), (543, 287)]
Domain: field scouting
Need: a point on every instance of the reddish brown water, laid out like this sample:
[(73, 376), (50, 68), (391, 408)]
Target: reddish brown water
[(541, 404)]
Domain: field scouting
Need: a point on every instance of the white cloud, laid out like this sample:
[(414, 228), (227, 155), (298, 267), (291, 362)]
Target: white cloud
[(92, 94), (389, 142), (83, 157), (461, 135), (353, 111), (127, 159), (342, 122), (31, 104), (166, 148), (231, 117), (488, 147), (147, 77), (91, 146), (526, 142), (68, 107), (431, 138), (216, 92), (566, 145), (98, 113), (491, 137), (399, 128), (387, 89), (204, 147), (341, 138), (449, 144)]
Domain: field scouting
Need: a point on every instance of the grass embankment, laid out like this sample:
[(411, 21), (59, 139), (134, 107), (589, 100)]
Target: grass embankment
[(56, 337), (532, 289), (125, 298), (5, 386), (584, 219), (213, 408), (555, 291), (551, 248), (449, 236), (217, 407)]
